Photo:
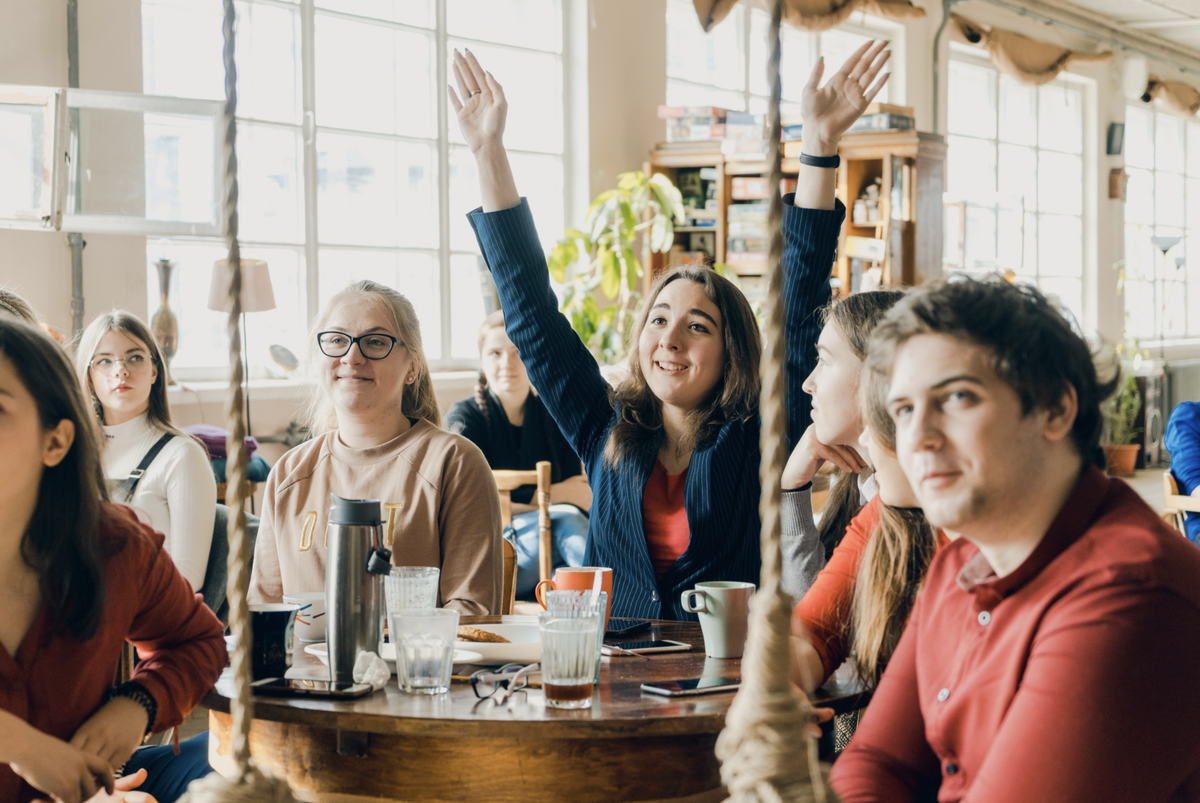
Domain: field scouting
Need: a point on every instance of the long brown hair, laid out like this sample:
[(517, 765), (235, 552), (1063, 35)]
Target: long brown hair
[(735, 396), (159, 411), (854, 317), (417, 400), (17, 306), (896, 558), (62, 540)]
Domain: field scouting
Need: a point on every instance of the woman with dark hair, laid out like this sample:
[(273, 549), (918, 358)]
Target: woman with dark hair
[(511, 426), (79, 577), (672, 454), (123, 374)]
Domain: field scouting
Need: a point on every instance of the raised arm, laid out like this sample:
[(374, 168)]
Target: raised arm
[(560, 367), (813, 217)]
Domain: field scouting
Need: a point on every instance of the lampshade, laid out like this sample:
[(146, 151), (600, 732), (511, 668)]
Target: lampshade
[(257, 295)]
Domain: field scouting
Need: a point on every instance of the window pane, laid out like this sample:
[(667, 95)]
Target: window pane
[(1060, 183), (1192, 271), (410, 12), (799, 54), (972, 104), (270, 205), (761, 106), (267, 58), (1139, 138), (1174, 311), (981, 237), (1060, 246), (1009, 244), (22, 154), (1060, 118), (951, 223), (1069, 295), (535, 24), (837, 46), (1018, 174), (1018, 112), (533, 86), (466, 305), (1168, 199), (1140, 317), (539, 178), (1193, 204), (971, 171), (373, 78), (714, 58), (1168, 143), (1139, 196), (413, 273), (374, 191), (1193, 149), (1030, 266), (179, 164), (1140, 256), (680, 93)]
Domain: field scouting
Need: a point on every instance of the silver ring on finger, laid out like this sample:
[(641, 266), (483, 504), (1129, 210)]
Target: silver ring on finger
[(474, 92)]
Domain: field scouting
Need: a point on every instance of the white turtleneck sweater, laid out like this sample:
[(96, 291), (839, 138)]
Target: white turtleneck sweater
[(177, 495)]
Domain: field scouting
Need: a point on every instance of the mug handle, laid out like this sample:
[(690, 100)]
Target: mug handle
[(685, 599), (537, 592)]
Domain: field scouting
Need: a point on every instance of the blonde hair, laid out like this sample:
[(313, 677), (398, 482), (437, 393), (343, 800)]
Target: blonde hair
[(159, 411), (17, 306), (417, 399)]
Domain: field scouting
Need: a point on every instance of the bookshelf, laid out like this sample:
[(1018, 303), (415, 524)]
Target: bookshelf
[(908, 167)]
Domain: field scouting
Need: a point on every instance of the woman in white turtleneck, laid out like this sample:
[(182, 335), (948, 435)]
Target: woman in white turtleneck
[(122, 372)]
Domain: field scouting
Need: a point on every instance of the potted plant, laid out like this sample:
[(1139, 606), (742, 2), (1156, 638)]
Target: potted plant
[(1120, 451)]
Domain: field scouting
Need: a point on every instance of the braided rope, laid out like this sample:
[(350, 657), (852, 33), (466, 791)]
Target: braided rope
[(764, 729)]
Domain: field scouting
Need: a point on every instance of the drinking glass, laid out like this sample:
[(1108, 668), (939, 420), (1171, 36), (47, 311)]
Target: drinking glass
[(409, 587), (568, 659), (424, 640), (574, 604)]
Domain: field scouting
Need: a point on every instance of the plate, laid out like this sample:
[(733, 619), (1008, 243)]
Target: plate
[(461, 656), (526, 646)]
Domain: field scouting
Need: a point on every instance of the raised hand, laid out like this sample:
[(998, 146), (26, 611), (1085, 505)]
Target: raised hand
[(482, 108), (829, 110)]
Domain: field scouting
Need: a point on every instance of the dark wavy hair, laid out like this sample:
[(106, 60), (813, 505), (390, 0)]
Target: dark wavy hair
[(62, 542), (735, 396)]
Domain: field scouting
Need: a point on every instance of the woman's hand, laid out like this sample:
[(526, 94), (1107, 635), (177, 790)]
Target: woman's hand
[(65, 773), (482, 109), (124, 793), (113, 732), (810, 454), (829, 110)]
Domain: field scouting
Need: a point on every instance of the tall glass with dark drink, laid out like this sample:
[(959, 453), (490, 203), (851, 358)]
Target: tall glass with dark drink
[(568, 659)]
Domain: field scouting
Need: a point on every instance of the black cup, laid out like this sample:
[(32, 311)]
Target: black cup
[(272, 624)]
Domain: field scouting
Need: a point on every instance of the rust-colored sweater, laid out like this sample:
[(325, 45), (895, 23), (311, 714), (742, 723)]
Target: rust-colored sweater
[(440, 508)]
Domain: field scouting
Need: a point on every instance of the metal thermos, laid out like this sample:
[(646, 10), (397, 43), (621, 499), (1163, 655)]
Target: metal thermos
[(354, 569)]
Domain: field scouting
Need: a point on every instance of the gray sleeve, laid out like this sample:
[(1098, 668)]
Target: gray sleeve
[(803, 555)]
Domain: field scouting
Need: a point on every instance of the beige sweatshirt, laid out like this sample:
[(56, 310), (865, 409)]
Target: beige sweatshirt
[(439, 506)]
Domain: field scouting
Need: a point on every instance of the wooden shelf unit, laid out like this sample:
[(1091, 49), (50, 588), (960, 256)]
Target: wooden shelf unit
[(914, 234)]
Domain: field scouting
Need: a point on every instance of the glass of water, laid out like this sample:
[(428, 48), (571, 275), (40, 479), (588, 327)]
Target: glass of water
[(410, 587), (574, 604), (568, 659), (424, 639)]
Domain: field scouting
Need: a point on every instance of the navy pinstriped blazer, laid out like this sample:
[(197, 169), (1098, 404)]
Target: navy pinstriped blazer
[(722, 487)]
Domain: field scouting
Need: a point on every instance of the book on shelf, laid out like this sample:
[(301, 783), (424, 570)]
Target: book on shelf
[(884, 121), (687, 131), (754, 188), (712, 146), (677, 256), (742, 244), (667, 112)]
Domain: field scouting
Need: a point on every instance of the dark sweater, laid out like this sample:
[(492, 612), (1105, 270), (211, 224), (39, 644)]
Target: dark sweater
[(510, 447), (722, 491)]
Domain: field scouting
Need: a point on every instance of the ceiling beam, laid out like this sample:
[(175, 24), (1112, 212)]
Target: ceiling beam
[(1152, 25)]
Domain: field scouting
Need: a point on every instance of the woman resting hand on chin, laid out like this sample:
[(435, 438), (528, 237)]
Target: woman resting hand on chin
[(672, 454)]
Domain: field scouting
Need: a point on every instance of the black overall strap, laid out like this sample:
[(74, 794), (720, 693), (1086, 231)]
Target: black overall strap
[(135, 476)]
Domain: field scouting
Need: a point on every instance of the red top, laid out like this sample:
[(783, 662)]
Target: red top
[(1072, 679), (56, 683), (664, 517)]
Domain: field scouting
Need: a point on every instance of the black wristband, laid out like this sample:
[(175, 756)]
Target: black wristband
[(138, 693), (820, 161)]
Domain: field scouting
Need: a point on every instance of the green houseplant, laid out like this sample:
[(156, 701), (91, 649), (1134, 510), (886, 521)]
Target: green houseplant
[(1120, 451), (599, 261)]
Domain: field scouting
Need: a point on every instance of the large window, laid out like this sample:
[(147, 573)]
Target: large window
[(727, 68), (351, 165), (1162, 208), (1014, 199)]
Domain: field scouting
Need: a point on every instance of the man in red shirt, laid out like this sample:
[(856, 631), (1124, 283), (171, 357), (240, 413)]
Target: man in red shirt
[(1054, 653)]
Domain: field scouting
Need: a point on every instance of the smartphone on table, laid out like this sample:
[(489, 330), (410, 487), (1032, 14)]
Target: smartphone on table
[(642, 647), (691, 687), (306, 687), (626, 627)]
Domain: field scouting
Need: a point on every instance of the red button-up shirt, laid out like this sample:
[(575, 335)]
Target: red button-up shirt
[(56, 683), (1076, 678)]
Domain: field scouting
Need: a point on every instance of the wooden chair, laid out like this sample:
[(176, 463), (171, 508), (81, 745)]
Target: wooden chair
[(1176, 504), (508, 481)]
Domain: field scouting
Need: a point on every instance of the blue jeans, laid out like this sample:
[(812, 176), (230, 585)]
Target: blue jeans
[(167, 774), (568, 530)]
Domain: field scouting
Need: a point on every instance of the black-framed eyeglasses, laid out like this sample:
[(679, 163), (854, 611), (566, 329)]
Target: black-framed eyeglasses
[(375, 346), (512, 678)]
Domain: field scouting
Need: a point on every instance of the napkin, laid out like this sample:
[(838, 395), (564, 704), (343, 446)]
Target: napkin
[(369, 668)]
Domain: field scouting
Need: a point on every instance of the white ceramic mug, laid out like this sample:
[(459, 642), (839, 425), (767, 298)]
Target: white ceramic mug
[(310, 619), (724, 610)]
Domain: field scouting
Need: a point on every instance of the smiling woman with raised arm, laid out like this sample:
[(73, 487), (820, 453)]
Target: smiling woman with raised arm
[(378, 436), (672, 454)]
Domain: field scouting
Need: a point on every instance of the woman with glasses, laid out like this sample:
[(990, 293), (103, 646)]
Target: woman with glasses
[(377, 435), (123, 374)]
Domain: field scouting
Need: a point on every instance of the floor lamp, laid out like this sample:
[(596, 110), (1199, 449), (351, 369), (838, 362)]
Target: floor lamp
[(257, 296)]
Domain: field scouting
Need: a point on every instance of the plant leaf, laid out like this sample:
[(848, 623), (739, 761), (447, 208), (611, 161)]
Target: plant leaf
[(627, 216), (633, 268), (612, 275), (668, 195)]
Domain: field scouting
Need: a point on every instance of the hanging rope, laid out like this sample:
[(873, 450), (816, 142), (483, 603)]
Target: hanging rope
[(762, 749), (250, 783)]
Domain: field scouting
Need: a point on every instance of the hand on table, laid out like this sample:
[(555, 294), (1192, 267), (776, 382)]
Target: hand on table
[(65, 773), (482, 108), (113, 732), (810, 454), (829, 110), (123, 793)]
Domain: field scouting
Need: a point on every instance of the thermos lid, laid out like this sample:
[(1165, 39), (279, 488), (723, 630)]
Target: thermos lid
[(354, 512)]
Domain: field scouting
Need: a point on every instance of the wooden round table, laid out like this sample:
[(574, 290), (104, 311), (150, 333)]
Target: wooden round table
[(392, 746)]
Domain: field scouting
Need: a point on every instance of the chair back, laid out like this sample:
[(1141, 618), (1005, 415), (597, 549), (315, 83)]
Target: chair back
[(508, 588), (508, 481), (217, 573), (1175, 503)]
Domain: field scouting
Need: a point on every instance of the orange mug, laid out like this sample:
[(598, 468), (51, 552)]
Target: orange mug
[(578, 578)]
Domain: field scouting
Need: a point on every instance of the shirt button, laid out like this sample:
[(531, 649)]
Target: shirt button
[(654, 596), (951, 768), (943, 695), (984, 617)]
